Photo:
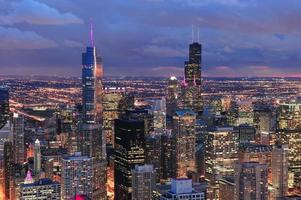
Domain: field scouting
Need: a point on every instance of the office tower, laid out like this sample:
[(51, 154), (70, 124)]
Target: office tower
[(182, 189), (158, 112), (288, 132), (4, 105), (168, 154), (184, 122), (37, 156), (251, 181), (172, 95), (91, 139), (280, 170), (221, 153), (246, 133), (111, 101), (191, 87), (153, 154), (129, 151), (92, 73), (77, 176), (143, 182), (241, 112), (18, 138), (263, 118), (43, 189), (8, 169), (193, 65)]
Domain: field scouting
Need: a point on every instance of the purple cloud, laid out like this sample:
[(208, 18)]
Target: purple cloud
[(34, 12), (12, 38)]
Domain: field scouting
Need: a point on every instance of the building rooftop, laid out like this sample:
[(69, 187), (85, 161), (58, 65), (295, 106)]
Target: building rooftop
[(40, 182)]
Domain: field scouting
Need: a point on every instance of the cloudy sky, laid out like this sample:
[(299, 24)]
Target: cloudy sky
[(151, 37)]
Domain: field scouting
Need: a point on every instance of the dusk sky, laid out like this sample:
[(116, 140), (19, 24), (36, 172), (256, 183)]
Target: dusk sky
[(151, 37)]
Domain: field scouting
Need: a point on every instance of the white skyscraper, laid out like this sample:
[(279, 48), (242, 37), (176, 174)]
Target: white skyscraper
[(37, 156)]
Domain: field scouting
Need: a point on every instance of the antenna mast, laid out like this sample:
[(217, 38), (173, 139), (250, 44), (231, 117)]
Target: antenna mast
[(91, 33)]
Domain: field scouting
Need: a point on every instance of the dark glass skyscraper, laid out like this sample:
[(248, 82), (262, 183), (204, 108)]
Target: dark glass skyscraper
[(4, 105), (191, 87), (129, 151), (92, 73), (193, 65)]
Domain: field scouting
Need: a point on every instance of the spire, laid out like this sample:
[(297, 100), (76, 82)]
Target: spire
[(91, 33)]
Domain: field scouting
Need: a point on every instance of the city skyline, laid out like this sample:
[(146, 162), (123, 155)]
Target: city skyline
[(239, 38)]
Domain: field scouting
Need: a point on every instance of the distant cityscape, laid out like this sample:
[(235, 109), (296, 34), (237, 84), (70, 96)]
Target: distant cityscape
[(149, 138)]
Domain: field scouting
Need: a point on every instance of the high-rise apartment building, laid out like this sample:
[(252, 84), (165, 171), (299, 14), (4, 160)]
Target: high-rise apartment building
[(18, 138), (77, 176), (184, 122), (279, 167), (143, 182), (221, 153), (37, 156), (251, 181)]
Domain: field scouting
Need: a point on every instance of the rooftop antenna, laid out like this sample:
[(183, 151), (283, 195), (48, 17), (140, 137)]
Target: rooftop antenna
[(198, 34), (91, 33), (192, 33)]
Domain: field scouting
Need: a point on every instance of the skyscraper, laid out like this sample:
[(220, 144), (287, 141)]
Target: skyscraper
[(129, 152), (37, 156), (221, 149), (280, 170), (92, 74), (251, 181), (77, 175), (143, 182), (191, 87), (18, 138), (91, 140), (8, 169), (185, 136), (193, 65), (172, 95), (4, 105)]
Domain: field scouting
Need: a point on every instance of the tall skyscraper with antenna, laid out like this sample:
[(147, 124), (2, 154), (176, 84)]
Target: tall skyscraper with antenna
[(91, 140), (191, 87), (92, 74)]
